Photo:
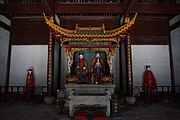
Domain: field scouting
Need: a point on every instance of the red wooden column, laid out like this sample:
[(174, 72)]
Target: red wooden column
[(129, 64), (50, 61)]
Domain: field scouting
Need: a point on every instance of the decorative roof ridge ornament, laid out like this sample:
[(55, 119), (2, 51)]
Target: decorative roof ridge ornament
[(90, 28), (127, 19), (99, 32), (103, 28), (128, 24), (77, 27)]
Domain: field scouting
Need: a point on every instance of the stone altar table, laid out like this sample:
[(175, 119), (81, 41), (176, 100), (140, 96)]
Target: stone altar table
[(102, 100), (90, 89)]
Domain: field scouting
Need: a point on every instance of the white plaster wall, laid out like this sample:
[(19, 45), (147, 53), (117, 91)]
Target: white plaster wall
[(175, 39), (4, 45), (155, 55), (25, 56)]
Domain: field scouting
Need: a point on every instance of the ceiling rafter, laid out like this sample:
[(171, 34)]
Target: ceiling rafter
[(130, 6), (46, 6), (141, 8)]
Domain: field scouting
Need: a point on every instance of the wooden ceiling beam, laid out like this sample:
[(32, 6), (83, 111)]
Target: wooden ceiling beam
[(5, 26), (130, 6), (140, 8), (49, 6), (21, 8), (156, 8), (46, 6), (91, 8), (8, 16)]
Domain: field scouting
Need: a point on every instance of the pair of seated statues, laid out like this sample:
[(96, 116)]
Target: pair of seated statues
[(96, 72)]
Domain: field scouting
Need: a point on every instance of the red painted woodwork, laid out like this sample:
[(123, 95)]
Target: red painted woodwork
[(80, 116), (89, 8), (151, 8), (21, 8), (90, 46), (100, 116), (94, 21), (150, 31), (29, 32), (145, 31), (155, 8)]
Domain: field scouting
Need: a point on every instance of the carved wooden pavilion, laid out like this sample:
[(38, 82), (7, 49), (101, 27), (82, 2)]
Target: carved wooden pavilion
[(91, 38)]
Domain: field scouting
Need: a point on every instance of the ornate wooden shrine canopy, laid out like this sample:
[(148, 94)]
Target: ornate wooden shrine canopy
[(90, 32), (90, 38)]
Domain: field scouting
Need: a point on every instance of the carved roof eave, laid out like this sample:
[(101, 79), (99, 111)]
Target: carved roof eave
[(72, 33)]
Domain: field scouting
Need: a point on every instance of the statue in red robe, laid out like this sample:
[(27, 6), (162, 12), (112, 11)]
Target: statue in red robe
[(97, 69), (30, 83), (81, 69), (30, 78), (149, 80)]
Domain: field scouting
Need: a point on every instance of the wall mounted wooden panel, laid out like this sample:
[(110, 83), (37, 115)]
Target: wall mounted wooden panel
[(30, 32), (150, 31)]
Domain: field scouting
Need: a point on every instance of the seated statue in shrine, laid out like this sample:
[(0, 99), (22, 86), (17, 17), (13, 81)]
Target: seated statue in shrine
[(81, 69), (97, 69)]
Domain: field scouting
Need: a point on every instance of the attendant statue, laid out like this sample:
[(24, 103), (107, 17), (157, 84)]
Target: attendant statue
[(149, 80), (97, 69), (81, 69)]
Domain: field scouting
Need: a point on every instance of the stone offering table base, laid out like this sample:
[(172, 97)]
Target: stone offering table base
[(89, 89), (102, 100)]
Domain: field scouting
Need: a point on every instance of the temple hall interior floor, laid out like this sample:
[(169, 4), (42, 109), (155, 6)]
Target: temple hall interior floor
[(142, 110)]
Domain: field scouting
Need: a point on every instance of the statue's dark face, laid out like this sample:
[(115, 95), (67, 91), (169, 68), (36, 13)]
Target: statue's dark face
[(97, 55), (148, 68), (81, 56), (30, 71)]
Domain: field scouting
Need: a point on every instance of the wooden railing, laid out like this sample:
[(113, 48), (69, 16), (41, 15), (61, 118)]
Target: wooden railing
[(21, 93), (21, 89), (159, 91)]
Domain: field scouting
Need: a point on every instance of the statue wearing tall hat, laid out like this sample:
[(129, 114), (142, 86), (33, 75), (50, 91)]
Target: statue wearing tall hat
[(97, 69)]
